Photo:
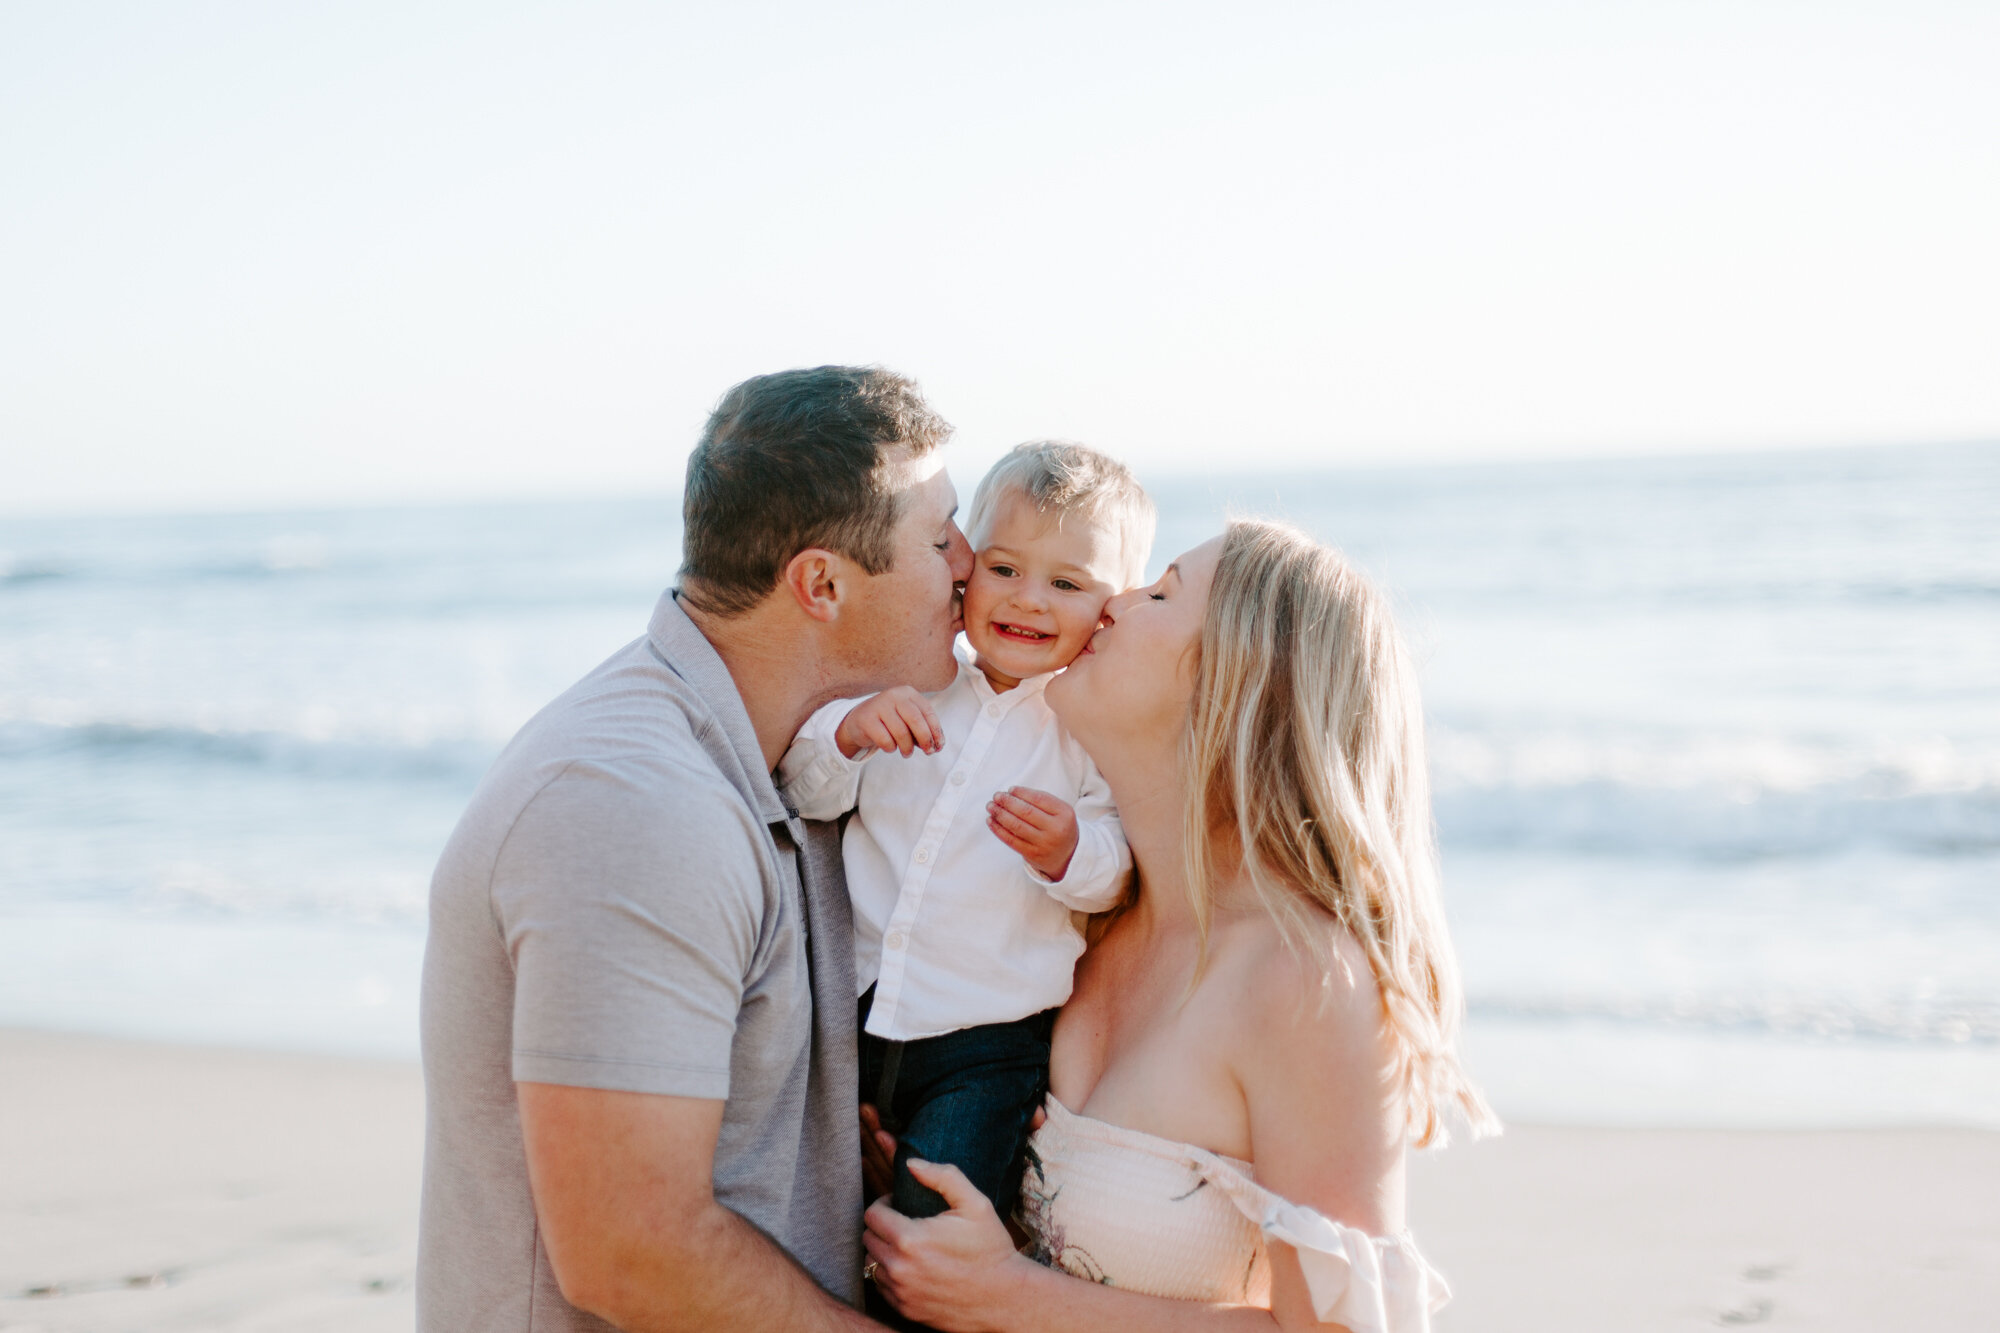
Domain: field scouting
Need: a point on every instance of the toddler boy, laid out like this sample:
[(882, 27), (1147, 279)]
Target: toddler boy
[(964, 943)]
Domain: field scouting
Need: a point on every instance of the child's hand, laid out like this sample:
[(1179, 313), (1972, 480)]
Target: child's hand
[(1041, 827), (898, 719)]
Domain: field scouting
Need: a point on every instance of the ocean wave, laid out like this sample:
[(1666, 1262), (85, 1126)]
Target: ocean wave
[(281, 555), (1625, 591), (458, 759), (1699, 800), (1942, 590), (1714, 797), (1949, 1020), (1609, 819), (197, 889), (1669, 757), (17, 572)]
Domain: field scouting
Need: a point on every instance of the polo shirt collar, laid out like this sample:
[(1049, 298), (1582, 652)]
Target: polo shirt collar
[(689, 655)]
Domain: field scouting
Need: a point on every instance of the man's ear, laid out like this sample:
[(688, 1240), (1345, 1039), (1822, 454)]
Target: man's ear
[(818, 580)]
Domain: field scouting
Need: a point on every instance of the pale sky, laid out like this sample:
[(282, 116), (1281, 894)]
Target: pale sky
[(300, 254)]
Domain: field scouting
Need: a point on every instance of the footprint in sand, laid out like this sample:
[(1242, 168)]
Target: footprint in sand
[(1750, 1312)]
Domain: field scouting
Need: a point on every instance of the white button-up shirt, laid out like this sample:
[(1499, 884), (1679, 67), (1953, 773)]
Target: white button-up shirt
[(952, 927)]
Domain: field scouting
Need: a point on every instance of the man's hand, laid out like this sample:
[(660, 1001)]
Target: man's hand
[(878, 1154), (899, 719), (1041, 827), (626, 1210)]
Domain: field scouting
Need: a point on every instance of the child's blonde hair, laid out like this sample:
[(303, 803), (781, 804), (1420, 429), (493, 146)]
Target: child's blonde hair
[(1062, 478), (1305, 755)]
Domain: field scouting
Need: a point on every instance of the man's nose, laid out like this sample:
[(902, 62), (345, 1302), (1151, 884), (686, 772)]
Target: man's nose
[(959, 556)]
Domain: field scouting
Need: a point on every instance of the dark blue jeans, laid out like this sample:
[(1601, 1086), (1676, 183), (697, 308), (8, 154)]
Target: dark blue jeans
[(965, 1098)]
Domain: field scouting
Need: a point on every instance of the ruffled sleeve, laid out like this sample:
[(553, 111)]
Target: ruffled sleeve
[(1370, 1284)]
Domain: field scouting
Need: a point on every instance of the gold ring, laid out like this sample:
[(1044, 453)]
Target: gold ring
[(869, 1269)]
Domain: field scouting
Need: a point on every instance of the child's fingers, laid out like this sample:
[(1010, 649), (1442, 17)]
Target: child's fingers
[(906, 740), (1001, 831), (1043, 801), (874, 735), (881, 735), (931, 724), (1009, 837), (922, 724), (1004, 819), (1031, 815)]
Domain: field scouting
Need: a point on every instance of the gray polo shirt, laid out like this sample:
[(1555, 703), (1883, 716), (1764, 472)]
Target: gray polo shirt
[(627, 904)]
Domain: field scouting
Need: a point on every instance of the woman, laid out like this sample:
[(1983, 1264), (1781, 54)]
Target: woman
[(1280, 990)]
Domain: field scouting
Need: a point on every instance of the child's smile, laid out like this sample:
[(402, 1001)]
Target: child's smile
[(1038, 588)]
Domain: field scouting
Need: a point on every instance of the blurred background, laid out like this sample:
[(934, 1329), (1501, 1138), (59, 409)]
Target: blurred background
[(349, 356)]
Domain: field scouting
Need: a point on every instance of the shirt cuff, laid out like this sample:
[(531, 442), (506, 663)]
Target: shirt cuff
[(825, 766), (814, 775), (1088, 883)]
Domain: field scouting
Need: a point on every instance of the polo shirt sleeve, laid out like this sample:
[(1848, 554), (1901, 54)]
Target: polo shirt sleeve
[(631, 905)]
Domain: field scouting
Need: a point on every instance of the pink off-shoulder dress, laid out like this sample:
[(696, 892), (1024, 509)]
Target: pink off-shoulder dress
[(1136, 1211)]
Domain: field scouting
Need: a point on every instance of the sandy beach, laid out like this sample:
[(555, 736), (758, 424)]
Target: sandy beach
[(172, 1188), (151, 1187)]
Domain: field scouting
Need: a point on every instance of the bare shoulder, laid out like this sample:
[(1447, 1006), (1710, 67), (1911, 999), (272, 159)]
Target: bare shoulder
[(1314, 984), (1317, 1070)]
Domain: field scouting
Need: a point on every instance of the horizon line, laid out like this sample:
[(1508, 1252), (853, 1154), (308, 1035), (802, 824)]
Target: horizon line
[(1256, 473)]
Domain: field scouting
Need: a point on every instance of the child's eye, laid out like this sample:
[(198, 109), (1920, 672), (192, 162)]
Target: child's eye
[(1064, 585), (1004, 571)]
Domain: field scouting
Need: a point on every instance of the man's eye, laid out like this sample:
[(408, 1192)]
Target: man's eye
[(1157, 596)]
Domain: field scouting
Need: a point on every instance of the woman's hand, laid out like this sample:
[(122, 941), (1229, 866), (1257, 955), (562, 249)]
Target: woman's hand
[(957, 1271), (878, 1149)]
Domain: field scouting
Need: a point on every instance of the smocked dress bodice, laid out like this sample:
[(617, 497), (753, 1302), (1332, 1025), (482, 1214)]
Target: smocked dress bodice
[(1136, 1211)]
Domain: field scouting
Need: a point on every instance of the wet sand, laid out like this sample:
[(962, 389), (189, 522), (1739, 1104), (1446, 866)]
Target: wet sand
[(173, 1188)]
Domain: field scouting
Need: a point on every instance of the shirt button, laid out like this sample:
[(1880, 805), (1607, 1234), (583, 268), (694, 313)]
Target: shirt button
[(993, 710), (896, 939), (923, 856), (958, 779)]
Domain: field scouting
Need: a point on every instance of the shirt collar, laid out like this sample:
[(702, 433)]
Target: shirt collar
[(983, 688), (689, 655)]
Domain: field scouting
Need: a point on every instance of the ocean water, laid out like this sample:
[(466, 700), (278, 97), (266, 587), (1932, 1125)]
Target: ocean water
[(1715, 741)]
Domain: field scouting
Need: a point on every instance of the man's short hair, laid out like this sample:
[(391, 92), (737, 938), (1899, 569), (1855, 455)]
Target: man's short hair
[(1061, 477), (791, 461)]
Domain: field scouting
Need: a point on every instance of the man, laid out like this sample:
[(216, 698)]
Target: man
[(638, 1009)]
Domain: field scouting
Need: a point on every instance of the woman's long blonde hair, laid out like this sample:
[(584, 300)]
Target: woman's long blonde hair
[(1305, 752)]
